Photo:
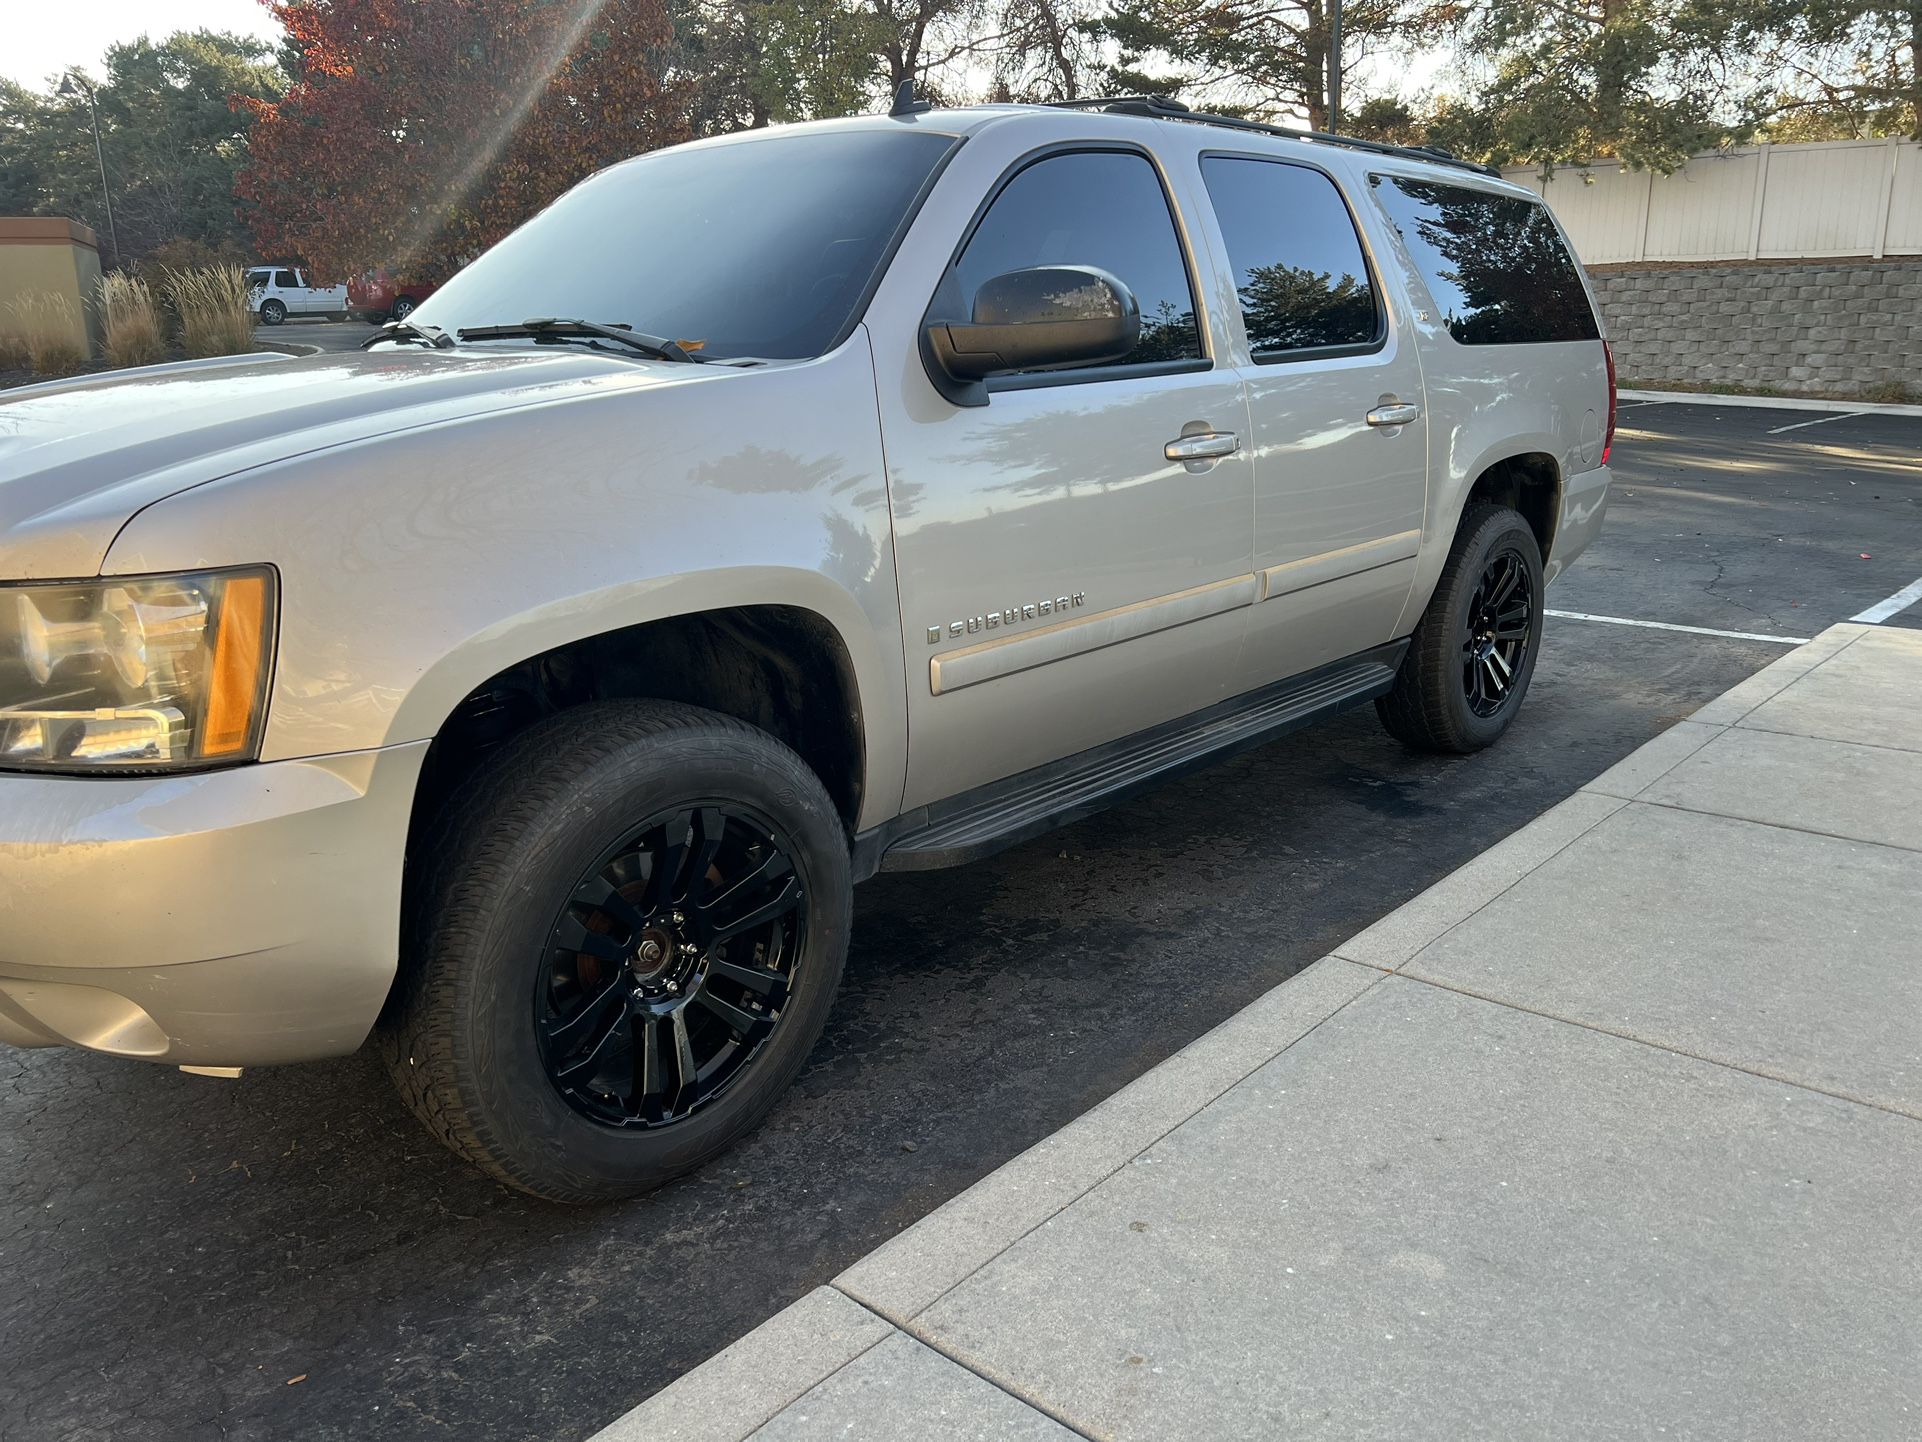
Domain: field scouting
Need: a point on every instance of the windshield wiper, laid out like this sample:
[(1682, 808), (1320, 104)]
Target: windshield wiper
[(545, 327), (410, 330)]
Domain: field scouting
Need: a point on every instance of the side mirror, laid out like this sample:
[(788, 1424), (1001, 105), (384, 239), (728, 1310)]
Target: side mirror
[(1041, 318)]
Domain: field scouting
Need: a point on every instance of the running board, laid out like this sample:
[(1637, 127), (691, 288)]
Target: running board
[(983, 821)]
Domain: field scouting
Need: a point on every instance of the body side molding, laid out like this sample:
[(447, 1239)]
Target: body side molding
[(1292, 576), (1006, 655)]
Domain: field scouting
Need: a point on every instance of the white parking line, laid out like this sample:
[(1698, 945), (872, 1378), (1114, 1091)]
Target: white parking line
[(1692, 630), (1900, 601), (1818, 421)]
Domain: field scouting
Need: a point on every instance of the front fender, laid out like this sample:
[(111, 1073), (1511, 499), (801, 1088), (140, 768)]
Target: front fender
[(416, 565)]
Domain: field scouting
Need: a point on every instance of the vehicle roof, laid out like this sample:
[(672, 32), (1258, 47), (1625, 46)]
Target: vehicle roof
[(1092, 120)]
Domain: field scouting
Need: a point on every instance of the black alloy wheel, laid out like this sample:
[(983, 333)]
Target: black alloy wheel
[(1498, 631), (1469, 662), (670, 966), (624, 931)]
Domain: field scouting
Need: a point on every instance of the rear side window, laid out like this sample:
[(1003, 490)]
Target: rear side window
[(1103, 208), (1299, 269), (1495, 264)]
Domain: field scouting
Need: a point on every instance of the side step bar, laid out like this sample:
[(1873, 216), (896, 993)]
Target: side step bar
[(983, 821)]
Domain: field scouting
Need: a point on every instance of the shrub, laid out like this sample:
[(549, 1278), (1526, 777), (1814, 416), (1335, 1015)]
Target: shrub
[(130, 322), (212, 306), (13, 348), (46, 325)]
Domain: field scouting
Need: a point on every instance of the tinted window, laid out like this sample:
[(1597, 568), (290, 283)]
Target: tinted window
[(764, 247), (1495, 265), (1298, 264), (284, 279), (1100, 208)]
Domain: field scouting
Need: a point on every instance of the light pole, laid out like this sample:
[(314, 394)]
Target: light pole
[(69, 90), (1334, 64)]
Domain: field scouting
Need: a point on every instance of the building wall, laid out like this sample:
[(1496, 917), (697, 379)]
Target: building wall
[(55, 256), (1838, 327)]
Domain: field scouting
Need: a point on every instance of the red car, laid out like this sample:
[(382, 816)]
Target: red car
[(376, 296)]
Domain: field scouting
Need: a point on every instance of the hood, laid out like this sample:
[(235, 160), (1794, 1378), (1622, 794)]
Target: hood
[(78, 458)]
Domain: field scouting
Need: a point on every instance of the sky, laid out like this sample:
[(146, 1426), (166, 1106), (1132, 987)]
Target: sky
[(41, 38)]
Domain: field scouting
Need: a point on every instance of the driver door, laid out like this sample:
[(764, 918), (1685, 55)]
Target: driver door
[(1063, 581)]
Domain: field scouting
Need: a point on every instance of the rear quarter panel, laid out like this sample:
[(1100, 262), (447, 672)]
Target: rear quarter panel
[(1485, 403)]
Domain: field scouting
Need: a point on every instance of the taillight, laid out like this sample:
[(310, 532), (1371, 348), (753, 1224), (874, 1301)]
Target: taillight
[(1608, 437)]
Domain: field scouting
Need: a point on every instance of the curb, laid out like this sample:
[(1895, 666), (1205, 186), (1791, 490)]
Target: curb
[(284, 347), (1773, 403)]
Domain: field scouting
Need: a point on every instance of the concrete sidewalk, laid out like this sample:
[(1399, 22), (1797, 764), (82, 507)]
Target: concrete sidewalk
[(1617, 1131)]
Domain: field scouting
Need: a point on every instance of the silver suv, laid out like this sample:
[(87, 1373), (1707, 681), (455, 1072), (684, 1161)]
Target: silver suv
[(529, 690)]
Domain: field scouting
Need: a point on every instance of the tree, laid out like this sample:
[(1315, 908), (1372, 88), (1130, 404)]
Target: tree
[(1262, 57), (171, 139), (419, 134), (754, 62), (1049, 50), (1648, 81), (1853, 67)]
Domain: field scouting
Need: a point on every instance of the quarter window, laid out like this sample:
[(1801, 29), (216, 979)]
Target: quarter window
[(1102, 208), (1299, 269), (1495, 264)]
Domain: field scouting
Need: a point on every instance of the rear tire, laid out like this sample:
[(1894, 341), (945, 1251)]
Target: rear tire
[(1469, 663), (569, 944), (403, 307)]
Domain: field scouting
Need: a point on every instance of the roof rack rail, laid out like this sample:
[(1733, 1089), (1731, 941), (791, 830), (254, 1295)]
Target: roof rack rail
[(1163, 107)]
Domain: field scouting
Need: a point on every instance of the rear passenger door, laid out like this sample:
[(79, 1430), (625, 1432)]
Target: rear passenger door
[(1336, 403)]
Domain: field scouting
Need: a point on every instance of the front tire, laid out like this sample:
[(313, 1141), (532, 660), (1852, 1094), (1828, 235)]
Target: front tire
[(272, 312), (1469, 663), (625, 936), (403, 307)]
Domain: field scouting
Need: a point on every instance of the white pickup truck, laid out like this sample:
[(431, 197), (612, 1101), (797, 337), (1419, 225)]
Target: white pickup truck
[(278, 291)]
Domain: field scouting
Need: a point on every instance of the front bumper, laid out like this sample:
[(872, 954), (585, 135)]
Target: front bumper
[(233, 918), (1584, 502)]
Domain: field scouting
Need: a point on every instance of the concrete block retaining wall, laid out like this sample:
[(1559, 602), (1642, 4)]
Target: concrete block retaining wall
[(1828, 327)]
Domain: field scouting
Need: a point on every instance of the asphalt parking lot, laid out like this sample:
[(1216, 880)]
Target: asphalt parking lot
[(290, 1256), (322, 334)]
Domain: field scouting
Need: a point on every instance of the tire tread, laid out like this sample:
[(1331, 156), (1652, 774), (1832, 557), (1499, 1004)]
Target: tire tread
[(498, 804)]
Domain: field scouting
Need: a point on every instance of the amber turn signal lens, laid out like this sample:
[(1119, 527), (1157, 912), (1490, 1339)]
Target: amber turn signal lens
[(239, 653)]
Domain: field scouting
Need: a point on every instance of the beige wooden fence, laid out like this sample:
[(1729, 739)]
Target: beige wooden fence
[(1766, 202)]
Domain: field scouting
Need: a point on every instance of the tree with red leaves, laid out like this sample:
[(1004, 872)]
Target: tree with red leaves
[(419, 134)]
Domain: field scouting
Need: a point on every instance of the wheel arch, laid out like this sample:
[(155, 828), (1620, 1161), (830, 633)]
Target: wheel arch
[(1528, 482), (1520, 472), (783, 668)]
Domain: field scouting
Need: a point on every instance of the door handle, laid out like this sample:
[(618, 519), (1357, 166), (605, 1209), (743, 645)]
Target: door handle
[(1396, 413), (1208, 446)]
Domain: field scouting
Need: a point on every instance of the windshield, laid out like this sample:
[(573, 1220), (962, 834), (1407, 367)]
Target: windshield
[(761, 248)]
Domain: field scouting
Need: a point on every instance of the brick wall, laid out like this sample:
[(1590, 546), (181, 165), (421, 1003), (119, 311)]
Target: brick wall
[(1831, 327)]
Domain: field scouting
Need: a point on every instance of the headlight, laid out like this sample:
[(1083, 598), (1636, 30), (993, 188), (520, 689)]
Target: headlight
[(134, 673)]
